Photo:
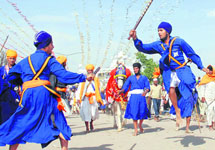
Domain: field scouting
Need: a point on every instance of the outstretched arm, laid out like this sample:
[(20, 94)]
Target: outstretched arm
[(65, 76), (190, 53), (145, 48)]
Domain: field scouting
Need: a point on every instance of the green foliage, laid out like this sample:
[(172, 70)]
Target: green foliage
[(148, 65)]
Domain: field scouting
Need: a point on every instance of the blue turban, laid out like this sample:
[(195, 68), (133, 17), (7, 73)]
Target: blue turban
[(73, 87), (166, 26), (42, 39)]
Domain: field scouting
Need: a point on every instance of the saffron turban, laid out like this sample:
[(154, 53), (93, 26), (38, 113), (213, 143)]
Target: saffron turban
[(208, 77), (42, 39), (11, 53), (166, 26), (61, 59), (90, 67)]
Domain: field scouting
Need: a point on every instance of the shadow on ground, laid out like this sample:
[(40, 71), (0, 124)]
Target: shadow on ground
[(190, 139), (192, 128), (131, 126), (149, 130), (95, 130), (101, 147), (83, 126)]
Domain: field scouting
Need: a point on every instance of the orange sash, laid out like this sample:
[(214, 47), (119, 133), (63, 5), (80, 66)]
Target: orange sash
[(170, 54), (60, 89), (35, 82), (97, 92), (90, 97)]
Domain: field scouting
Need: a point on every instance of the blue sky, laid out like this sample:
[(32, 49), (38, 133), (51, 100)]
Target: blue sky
[(99, 28)]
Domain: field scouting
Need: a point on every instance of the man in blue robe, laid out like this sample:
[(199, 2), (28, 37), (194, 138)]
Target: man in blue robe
[(136, 108), (32, 120), (9, 95), (174, 69)]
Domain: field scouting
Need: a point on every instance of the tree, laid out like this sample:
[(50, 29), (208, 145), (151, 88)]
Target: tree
[(147, 64)]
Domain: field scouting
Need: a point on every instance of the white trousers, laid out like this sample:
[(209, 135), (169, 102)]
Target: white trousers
[(174, 79), (210, 112)]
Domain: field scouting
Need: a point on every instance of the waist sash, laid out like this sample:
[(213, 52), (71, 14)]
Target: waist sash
[(35, 82), (136, 91)]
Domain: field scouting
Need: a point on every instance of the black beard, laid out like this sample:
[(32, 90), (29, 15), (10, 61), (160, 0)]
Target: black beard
[(137, 73), (164, 39)]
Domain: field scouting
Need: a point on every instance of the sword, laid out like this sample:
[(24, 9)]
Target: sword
[(141, 17), (97, 70), (4, 43)]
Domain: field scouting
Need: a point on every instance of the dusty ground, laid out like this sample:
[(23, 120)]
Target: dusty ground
[(157, 136)]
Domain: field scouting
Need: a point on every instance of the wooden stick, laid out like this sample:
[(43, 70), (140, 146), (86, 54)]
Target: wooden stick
[(141, 17), (198, 119), (4, 44)]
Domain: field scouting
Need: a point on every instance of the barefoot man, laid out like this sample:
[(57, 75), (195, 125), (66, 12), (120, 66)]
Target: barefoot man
[(173, 66), (136, 108)]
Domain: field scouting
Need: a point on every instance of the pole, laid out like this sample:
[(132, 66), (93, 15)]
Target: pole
[(141, 17), (4, 44)]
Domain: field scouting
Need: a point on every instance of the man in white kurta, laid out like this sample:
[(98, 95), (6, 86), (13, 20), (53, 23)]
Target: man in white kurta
[(207, 95), (73, 101), (88, 93)]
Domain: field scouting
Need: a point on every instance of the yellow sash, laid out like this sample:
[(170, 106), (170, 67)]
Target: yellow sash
[(97, 92), (170, 54)]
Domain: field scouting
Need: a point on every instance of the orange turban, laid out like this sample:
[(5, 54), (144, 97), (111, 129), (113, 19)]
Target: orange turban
[(61, 59), (11, 53), (208, 77), (90, 67)]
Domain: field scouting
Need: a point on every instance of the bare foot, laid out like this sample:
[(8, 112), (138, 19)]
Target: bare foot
[(135, 133), (178, 117), (87, 131), (141, 130), (177, 127), (123, 123), (211, 128), (91, 127), (119, 129), (188, 131), (158, 119)]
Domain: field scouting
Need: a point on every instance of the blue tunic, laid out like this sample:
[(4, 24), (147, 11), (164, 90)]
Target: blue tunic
[(32, 122), (185, 75), (8, 97), (136, 108)]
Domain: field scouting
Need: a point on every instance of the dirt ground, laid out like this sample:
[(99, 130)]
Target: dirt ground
[(157, 136)]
